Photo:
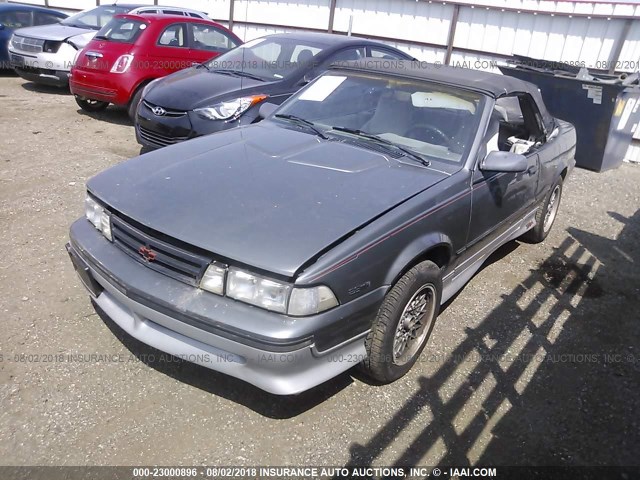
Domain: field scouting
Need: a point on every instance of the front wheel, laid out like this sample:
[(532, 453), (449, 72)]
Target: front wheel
[(545, 215), (404, 323), (89, 105)]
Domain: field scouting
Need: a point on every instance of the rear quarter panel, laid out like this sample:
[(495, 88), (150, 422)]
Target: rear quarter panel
[(560, 157)]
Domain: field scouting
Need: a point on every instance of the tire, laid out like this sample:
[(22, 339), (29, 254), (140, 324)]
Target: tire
[(89, 105), (391, 351), (546, 215), (133, 104)]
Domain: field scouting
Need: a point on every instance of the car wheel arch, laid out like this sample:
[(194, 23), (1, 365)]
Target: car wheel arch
[(136, 97), (139, 86), (436, 248), (564, 173)]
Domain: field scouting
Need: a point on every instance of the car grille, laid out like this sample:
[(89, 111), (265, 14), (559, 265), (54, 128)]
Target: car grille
[(158, 139), (184, 264), (168, 112), (27, 44)]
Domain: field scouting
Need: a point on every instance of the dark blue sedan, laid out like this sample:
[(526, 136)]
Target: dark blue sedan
[(228, 90), (18, 16)]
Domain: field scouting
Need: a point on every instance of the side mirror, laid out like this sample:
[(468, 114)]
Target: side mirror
[(504, 162), (267, 109)]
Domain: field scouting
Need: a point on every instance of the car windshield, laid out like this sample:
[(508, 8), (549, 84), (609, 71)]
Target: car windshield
[(268, 58), (95, 18), (433, 121), (123, 30)]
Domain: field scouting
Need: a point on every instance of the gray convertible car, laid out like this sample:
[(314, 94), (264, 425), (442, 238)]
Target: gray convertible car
[(329, 234)]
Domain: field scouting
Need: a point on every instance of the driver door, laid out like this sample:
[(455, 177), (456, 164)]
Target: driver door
[(499, 199)]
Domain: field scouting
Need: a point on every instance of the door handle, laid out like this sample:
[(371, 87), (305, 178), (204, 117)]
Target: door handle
[(532, 169)]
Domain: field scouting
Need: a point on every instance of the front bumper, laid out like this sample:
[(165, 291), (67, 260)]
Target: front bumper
[(46, 68), (270, 351)]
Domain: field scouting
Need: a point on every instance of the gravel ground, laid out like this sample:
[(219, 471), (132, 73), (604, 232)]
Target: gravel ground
[(536, 361)]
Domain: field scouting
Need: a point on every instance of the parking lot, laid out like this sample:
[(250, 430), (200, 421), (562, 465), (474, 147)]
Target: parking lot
[(535, 362)]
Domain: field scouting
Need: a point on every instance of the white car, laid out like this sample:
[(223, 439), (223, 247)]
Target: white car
[(45, 54)]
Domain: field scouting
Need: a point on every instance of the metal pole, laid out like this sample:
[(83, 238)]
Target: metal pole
[(231, 6), (332, 13), (614, 57), (452, 33)]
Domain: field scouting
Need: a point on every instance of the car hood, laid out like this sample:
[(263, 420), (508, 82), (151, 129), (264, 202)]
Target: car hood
[(82, 40), (55, 32), (262, 195), (198, 87)]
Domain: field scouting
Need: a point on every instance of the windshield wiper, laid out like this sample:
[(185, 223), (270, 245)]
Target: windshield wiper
[(233, 73), (198, 65), (302, 121), (239, 73), (384, 141)]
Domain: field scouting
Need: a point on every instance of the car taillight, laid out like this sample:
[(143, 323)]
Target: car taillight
[(122, 64)]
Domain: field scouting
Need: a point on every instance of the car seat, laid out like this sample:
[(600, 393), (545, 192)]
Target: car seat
[(392, 115)]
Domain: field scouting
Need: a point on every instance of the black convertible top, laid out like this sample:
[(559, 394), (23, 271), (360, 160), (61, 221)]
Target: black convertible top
[(492, 84)]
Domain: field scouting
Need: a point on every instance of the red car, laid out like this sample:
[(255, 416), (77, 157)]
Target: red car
[(132, 50)]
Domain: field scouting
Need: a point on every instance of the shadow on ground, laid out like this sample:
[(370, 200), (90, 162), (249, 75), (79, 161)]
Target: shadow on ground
[(554, 370), (113, 114), (48, 89), (7, 72)]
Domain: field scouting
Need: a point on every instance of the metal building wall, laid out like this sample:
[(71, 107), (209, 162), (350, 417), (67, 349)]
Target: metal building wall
[(573, 31)]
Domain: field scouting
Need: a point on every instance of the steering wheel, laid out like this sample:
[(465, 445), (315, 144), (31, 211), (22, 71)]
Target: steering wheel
[(422, 131)]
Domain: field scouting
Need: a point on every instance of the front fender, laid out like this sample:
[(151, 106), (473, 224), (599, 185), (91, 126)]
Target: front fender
[(416, 251)]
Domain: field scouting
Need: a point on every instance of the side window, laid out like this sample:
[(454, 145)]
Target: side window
[(45, 18), (24, 18), (376, 52), (174, 12), (347, 54), (207, 37), (15, 19), (173, 36), (515, 124)]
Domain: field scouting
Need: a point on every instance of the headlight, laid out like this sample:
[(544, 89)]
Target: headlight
[(98, 216), (51, 46), (258, 291), (267, 293), (230, 108)]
